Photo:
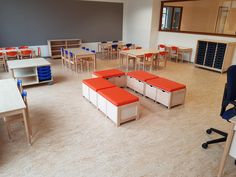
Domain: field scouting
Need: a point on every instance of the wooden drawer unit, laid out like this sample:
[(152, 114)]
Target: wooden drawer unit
[(151, 92)]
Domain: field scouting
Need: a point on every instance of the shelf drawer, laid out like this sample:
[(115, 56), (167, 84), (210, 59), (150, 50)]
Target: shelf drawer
[(151, 92), (163, 97)]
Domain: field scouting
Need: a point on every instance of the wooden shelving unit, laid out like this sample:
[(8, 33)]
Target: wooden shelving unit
[(28, 71), (214, 55), (55, 46)]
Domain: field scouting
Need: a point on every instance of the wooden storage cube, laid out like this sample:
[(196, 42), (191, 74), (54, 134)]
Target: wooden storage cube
[(122, 114), (168, 93), (151, 92), (119, 105)]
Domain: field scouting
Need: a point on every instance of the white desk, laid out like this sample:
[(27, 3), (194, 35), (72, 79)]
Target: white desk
[(81, 53), (11, 103), (26, 70), (135, 53)]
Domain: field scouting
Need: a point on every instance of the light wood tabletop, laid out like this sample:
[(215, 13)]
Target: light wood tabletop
[(134, 53), (11, 102), (27, 63), (81, 54)]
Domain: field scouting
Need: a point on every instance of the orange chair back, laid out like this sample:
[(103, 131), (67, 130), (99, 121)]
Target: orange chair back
[(162, 53), (148, 55), (138, 47), (12, 54), (161, 46), (126, 49), (1, 48), (26, 52), (10, 48), (1, 54), (23, 47), (174, 48)]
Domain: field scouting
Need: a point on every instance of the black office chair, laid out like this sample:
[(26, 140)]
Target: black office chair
[(229, 98)]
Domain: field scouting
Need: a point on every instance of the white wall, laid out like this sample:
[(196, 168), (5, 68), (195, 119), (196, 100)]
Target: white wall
[(189, 40), (137, 22)]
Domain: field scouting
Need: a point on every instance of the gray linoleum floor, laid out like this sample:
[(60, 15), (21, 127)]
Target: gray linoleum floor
[(73, 139)]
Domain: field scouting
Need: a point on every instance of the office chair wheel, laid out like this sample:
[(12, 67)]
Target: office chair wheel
[(209, 131), (204, 145)]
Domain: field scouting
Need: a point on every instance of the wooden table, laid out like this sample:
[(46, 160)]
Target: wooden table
[(231, 134), (26, 70), (183, 50), (11, 103), (81, 53), (120, 44), (135, 53)]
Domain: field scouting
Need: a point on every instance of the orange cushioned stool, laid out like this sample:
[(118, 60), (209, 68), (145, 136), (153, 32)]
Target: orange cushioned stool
[(90, 87), (166, 92), (114, 76), (136, 80), (118, 104)]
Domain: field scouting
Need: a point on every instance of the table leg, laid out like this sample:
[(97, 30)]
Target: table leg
[(26, 126), (226, 150), (95, 62), (190, 56), (127, 62)]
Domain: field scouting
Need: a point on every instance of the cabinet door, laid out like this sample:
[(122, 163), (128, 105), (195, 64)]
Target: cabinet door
[(210, 55), (220, 54), (151, 92), (201, 51), (163, 97), (130, 82)]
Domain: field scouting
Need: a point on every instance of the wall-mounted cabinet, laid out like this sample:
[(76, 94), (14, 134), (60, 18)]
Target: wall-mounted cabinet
[(55, 46), (214, 55)]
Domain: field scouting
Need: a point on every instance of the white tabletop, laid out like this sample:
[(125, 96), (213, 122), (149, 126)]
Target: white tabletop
[(10, 97), (79, 51), (27, 63), (139, 52)]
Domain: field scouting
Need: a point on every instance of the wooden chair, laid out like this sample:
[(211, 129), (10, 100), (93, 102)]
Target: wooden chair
[(63, 58), (17, 118), (174, 53), (23, 47), (161, 57), (114, 50), (3, 61), (24, 54), (104, 47), (10, 48), (12, 55), (162, 48), (147, 60), (67, 59)]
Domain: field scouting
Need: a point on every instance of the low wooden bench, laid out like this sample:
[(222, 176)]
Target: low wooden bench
[(118, 104), (166, 92), (136, 80), (90, 87)]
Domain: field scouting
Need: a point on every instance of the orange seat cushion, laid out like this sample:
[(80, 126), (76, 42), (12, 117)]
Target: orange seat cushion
[(98, 84), (118, 96), (142, 75), (109, 73), (166, 84)]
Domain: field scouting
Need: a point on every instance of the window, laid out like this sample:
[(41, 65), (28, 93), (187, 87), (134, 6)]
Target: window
[(171, 18)]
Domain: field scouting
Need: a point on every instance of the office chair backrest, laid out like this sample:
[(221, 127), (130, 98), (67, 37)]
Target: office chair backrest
[(229, 94), (231, 83)]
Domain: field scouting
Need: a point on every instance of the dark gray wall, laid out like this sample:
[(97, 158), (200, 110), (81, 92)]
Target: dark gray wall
[(33, 22)]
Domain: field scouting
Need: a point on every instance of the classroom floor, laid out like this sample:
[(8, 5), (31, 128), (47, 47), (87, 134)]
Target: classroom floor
[(71, 138)]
